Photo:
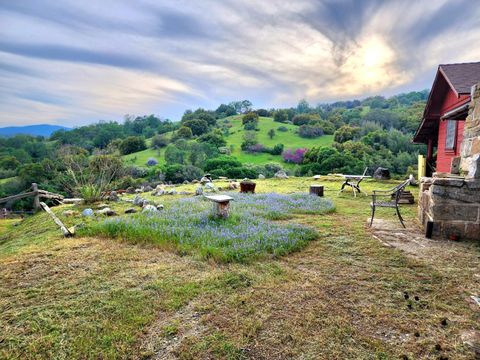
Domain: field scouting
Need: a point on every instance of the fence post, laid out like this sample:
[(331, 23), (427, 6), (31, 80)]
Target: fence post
[(36, 198)]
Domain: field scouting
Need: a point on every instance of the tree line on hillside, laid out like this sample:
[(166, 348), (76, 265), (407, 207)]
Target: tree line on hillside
[(373, 132)]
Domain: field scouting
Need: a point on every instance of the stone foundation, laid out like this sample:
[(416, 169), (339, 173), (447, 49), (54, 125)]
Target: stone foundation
[(452, 205)]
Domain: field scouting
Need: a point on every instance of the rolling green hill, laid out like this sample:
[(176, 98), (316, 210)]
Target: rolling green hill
[(290, 139)]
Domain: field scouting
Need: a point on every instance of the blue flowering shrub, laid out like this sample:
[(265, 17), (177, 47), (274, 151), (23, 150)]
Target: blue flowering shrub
[(188, 226)]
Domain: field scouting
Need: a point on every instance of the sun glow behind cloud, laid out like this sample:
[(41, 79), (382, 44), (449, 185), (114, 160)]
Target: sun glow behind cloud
[(73, 62)]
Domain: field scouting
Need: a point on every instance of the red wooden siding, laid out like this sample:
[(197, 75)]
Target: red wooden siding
[(445, 156)]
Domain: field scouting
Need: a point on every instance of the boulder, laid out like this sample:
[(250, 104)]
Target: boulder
[(138, 191), (382, 174), (199, 191), (87, 212), (159, 191), (102, 206), (138, 201), (150, 209), (233, 185), (106, 212), (261, 176), (317, 177), (147, 188), (210, 186), (113, 196), (195, 181), (130, 190), (130, 211), (186, 182), (281, 174), (204, 180)]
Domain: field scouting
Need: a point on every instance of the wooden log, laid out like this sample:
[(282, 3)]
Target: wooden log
[(247, 187), (316, 190), (17, 197), (66, 232)]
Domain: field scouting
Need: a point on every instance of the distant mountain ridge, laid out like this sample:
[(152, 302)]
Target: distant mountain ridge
[(34, 130)]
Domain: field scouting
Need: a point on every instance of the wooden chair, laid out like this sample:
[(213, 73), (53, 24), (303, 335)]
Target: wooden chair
[(392, 193)]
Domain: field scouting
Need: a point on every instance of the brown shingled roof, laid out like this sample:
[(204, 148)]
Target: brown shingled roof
[(461, 76)]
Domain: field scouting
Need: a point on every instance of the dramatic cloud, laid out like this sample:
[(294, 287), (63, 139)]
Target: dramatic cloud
[(70, 62)]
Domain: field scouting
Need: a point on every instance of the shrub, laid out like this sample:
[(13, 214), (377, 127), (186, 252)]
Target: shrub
[(151, 162), (132, 144), (239, 172), (183, 133), (271, 133), (222, 162), (307, 131), (159, 141), (263, 112), (179, 173), (197, 126), (215, 138), (249, 118), (301, 119), (277, 149), (250, 126), (257, 148), (282, 129), (345, 133), (294, 156), (249, 139), (280, 116), (9, 162)]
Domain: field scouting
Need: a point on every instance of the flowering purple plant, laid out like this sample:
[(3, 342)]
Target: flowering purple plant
[(257, 148), (189, 225), (294, 156)]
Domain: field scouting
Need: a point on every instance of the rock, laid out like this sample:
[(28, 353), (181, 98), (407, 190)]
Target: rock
[(70, 213), (87, 212), (147, 188), (130, 190), (186, 182), (204, 180), (158, 191), (281, 174), (199, 191), (138, 191), (138, 201), (382, 174), (223, 178), (102, 206), (113, 196), (106, 212), (160, 207), (150, 209), (145, 202), (261, 176), (233, 185), (210, 186), (317, 177), (130, 211), (195, 181)]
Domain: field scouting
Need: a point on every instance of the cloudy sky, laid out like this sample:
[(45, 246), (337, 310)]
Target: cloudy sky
[(74, 62)]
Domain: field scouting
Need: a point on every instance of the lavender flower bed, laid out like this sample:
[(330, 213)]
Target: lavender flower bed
[(189, 227)]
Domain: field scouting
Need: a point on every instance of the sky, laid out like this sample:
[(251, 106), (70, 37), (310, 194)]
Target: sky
[(74, 62)]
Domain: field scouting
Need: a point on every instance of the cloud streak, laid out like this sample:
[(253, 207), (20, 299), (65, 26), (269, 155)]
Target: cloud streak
[(73, 62)]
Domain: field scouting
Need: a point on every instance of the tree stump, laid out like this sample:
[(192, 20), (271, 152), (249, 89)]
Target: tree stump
[(316, 190), (247, 187)]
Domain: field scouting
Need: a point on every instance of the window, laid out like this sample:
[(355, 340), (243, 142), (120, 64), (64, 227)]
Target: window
[(451, 134)]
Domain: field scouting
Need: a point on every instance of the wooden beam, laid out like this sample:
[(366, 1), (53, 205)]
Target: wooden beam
[(17, 197), (66, 232)]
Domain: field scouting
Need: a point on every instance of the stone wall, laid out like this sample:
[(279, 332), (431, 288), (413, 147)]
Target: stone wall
[(453, 205), (470, 150)]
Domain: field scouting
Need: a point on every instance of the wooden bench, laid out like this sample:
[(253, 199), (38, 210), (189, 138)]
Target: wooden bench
[(221, 204)]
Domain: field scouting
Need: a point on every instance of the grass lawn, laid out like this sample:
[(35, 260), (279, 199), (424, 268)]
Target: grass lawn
[(339, 296), (140, 158), (3, 181), (289, 139)]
